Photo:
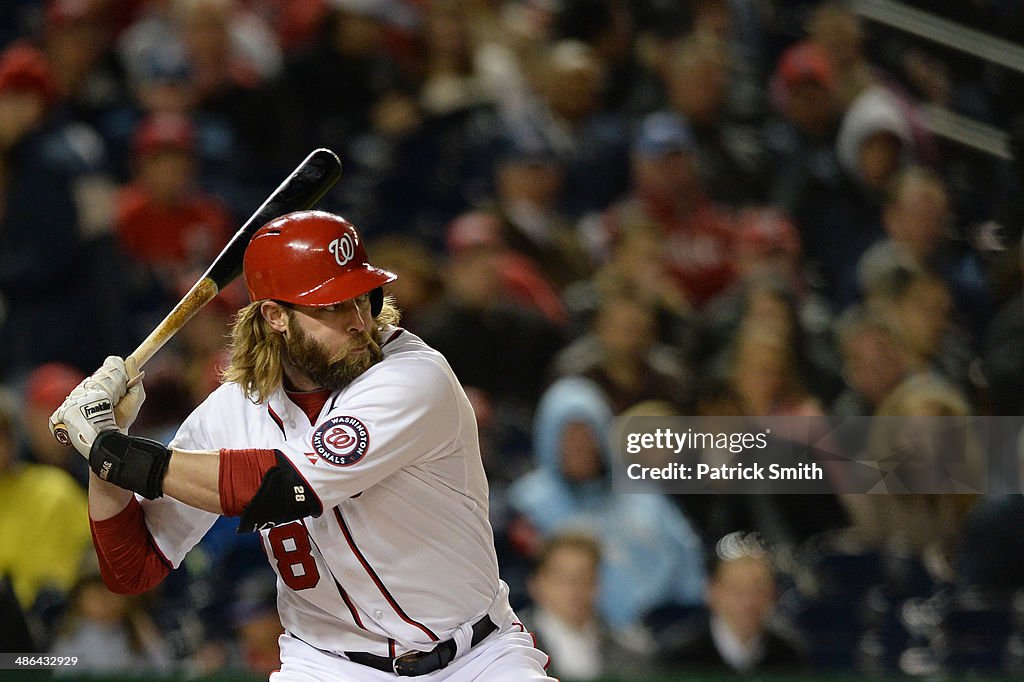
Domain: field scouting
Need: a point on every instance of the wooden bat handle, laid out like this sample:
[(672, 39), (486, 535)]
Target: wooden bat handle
[(201, 293)]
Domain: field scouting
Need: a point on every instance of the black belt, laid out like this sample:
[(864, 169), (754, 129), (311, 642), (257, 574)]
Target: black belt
[(422, 662)]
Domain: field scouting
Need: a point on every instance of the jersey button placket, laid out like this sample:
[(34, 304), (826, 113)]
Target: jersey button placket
[(378, 614)]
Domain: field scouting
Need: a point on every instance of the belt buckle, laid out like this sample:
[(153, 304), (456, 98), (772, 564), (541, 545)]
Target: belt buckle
[(410, 659)]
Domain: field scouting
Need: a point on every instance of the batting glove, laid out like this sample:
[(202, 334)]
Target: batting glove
[(103, 401), (111, 377), (127, 409), (120, 377), (85, 413)]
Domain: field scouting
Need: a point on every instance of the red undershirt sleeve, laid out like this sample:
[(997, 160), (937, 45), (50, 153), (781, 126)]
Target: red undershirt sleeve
[(241, 474), (130, 562)]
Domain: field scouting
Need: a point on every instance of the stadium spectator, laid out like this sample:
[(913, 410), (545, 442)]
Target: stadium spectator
[(56, 205), (493, 341), (771, 286), (738, 634), (233, 58), (651, 554), (164, 220), (45, 389), (638, 264), (839, 218), (917, 218), (609, 27), (917, 305), (110, 634), (800, 141), (874, 363), (838, 31), (668, 200), (741, 31), (44, 527), (450, 79), (622, 354), (442, 164), (591, 141), (730, 155), (529, 177), (77, 40), (762, 367), (347, 92), (932, 469), (419, 286), (563, 588)]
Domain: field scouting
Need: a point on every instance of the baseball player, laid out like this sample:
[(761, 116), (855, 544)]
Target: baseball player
[(349, 445)]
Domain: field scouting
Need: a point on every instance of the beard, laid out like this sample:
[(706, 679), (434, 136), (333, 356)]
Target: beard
[(334, 372)]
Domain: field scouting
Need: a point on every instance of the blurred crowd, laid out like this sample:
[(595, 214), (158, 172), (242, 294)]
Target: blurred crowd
[(595, 208)]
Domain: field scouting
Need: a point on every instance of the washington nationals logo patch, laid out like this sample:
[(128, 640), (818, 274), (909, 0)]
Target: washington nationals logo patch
[(341, 441)]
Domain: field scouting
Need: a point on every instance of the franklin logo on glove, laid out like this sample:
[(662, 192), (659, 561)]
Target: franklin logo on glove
[(96, 408)]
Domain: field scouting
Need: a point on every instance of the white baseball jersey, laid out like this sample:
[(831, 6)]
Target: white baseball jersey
[(402, 556)]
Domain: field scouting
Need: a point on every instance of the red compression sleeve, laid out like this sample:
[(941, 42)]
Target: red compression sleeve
[(241, 473), (130, 562)]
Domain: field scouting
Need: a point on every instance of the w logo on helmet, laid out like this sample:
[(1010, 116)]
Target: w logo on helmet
[(343, 248)]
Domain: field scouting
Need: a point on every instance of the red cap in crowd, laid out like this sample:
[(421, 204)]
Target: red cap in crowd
[(61, 12), (763, 231), (805, 61), (25, 69), (474, 230), (165, 131), (49, 384)]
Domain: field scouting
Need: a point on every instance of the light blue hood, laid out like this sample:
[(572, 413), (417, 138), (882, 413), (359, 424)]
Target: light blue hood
[(569, 400), (651, 554)]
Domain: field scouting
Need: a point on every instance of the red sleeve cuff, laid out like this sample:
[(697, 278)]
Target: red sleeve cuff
[(130, 562), (241, 474)]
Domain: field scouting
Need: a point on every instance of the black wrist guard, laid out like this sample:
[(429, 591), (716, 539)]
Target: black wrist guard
[(283, 496), (130, 462)]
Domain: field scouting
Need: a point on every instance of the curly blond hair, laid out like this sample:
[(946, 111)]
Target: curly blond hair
[(257, 351)]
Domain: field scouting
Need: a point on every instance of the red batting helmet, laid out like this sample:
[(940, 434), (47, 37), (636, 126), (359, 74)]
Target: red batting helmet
[(311, 258)]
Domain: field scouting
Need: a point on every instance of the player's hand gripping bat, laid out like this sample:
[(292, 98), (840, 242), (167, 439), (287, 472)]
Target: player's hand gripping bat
[(307, 184)]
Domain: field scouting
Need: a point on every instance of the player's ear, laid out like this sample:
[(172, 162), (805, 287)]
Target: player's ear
[(275, 314)]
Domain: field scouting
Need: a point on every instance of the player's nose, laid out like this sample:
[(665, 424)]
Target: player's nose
[(356, 319)]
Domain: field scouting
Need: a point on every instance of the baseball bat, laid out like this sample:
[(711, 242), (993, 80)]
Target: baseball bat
[(301, 190)]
